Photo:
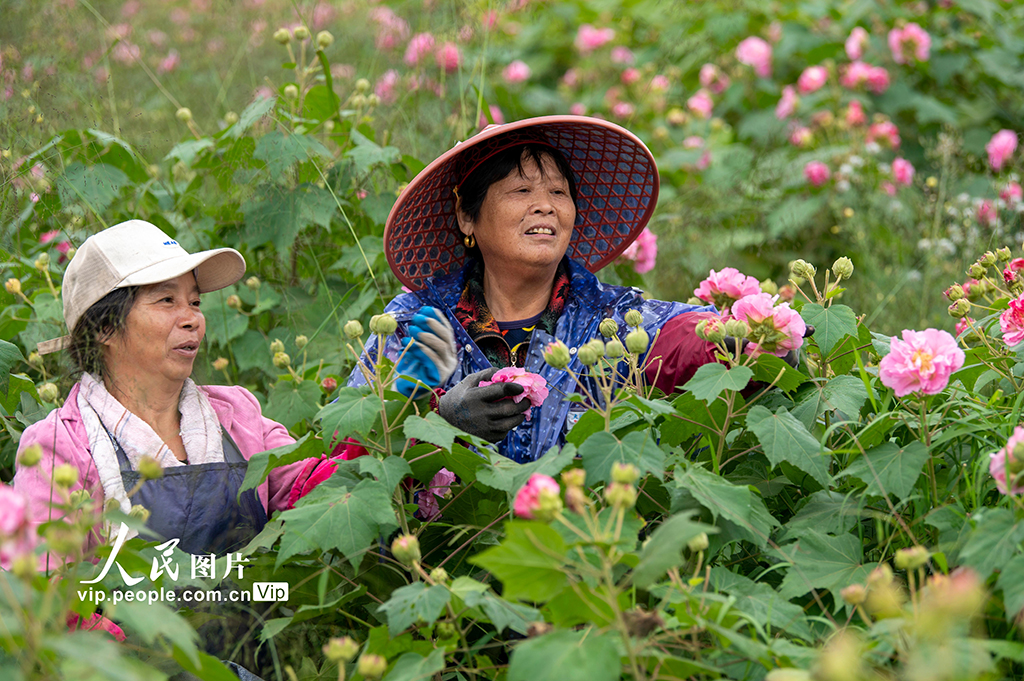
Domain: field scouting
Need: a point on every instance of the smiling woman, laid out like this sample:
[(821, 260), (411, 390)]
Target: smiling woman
[(131, 299)]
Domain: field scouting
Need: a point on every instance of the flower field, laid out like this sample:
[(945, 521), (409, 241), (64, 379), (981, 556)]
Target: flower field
[(846, 169)]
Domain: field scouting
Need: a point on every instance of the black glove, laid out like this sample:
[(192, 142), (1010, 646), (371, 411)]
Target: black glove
[(483, 412)]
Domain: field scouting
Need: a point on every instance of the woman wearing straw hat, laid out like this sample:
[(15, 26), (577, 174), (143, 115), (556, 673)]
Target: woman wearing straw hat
[(502, 234)]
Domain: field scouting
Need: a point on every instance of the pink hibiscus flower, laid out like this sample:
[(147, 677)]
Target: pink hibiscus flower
[(1006, 464), (535, 387), (726, 287), (922, 362), (774, 329)]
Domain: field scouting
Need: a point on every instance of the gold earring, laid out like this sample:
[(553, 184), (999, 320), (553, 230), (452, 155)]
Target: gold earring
[(469, 240)]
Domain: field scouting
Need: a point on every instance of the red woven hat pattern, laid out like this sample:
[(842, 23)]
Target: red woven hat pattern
[(617, 190)]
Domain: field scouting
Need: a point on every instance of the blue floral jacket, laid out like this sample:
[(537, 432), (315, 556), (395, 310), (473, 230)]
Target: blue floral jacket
[(589, 302)]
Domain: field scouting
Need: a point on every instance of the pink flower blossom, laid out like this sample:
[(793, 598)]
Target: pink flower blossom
[(855, 114), (126, 53), (496, 116), (908, 42), (623, 110), (817, 173), (421, 45), (539, 497), (622, 55), (701, 104), (902, 171), (659, 83), (130, 8), (801, 136), (878, 80), (391, 28), (571, 78), (1011, 193), (630, 76), (440, 486), (578, 109), (156, 38), (963, 324), (988, 214), (323, 14), (886, 133), (693, 142), (726, 287), (1011, 322), (713, 79), (889, 188), (385, 87), (787, 103), (1000, 148), (812, 79), (705, 160), (755, 52), (169, 63), (859, 74), (17, 537), (516, 72), (922, 362), (856, 43), (1016, 265), (589, 38), (643, 251), (535, 387), (774, 329), (448, 57), (95, 622), (1008, 462)]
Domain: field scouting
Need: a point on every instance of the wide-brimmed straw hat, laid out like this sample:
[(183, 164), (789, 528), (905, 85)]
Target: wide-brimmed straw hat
[(617, 190), (136, 253)]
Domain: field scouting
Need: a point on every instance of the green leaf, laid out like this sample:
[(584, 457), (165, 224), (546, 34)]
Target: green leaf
[(261, 463), (414, 603), (390, 471), (761, 603), (711, 379), (831, 325), (889, 468), (278, 214), (993, 541), (280, 150), (567, 656), (820, 561), (366, 153), (290, 402), (528, 561), (273, 627), (223, 324), (187, 151), (353, 412), (504, 474), (769, 367), (692, 416), (736, 503), (583, 605), (153, 621), (10, 355), (845, 394), (349, 523), (1011, 581), (665, 547), (433, 429), (415, 667), (826, 511), (603, 449), (96, 186), (501, 613), (252, 113), (784, 438), (792, 215)]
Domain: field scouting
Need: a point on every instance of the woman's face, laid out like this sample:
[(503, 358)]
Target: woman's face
[(162, 333), (525, 221)]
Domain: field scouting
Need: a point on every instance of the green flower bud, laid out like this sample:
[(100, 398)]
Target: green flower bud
[(230, 118), (234, 302), (35, 360), (637, 341), (43, 262), (372, 666), (353, 329), (614, 349), (976, 270), (342, 649), (912, 558), (383, 324), (372, 100), (803, 269), (959, 309), (253, 283), (282, 360), (149, 469), (220, 364), (30, 456), (634, 318), (620, 495), (855, 594), (445, 630), (64, 539), (358, 101), (48, 392), (283, 36), (301, 342), (769, 287), (955, 292), (626, 473), (184, 114), (13, 286), (988, 259), (608, 327), (65, 475), (737, 328), (698, 543), (439, 575), (880, 576), (139, 512), (574, 477), (324, 39), (276, 346), (71, 253), (406, 549), (362, 85), (291, 91), (556, 354), (842, 268), (588, 355), (1004, 254), (301, 33)]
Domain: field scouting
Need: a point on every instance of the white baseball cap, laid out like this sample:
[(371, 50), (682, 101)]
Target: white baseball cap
[(136, 253)]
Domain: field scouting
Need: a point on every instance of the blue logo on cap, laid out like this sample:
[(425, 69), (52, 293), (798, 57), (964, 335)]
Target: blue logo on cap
[(172, 242)]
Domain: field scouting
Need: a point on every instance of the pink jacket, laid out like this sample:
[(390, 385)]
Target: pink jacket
[(64, 441)]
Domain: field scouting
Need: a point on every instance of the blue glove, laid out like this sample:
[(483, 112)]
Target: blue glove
[(428, 353)]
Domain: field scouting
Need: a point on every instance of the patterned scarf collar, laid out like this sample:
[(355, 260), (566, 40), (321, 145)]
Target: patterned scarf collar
[(482, 327)]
